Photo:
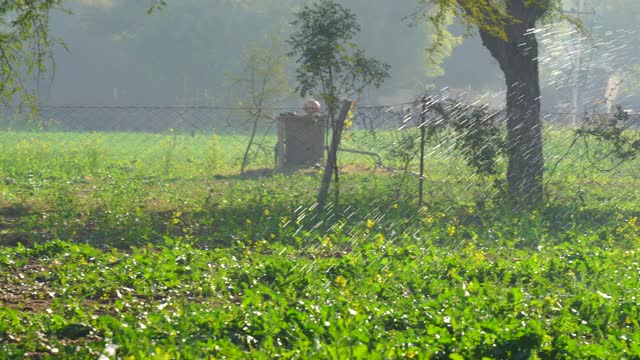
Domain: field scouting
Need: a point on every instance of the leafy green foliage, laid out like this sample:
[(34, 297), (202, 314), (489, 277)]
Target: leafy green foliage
[(329, 64), (615, 143), (481, 138), (504, 26), (24, 46), (188, 265), (487, 15), (385, 298), (477, 131), (263, 85), (332, 67), (156, 5)]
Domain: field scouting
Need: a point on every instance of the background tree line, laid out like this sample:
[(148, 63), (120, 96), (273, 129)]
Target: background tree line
[(117, 55)]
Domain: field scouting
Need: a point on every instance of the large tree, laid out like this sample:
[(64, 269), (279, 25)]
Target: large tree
[(507, 30)]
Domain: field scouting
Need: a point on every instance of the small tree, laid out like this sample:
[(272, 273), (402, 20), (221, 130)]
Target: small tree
[(263, 85), (331, 67)]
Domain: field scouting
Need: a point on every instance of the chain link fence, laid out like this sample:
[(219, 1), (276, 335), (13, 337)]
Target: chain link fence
[(220, 141), (128, 175)]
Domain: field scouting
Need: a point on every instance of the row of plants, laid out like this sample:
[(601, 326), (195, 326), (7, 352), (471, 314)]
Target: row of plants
[(364, 293)]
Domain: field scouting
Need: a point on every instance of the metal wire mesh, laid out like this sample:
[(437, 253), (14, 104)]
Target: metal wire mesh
[(221, 139)]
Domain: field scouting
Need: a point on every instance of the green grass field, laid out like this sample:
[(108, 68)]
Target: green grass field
[(153, 246)]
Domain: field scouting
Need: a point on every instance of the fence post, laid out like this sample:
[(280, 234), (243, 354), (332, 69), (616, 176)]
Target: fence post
[(423, 137), (280, 144)]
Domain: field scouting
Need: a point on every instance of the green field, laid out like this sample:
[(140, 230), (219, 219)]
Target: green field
[(154, 246)]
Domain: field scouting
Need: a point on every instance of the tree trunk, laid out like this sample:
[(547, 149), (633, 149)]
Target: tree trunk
[(331, 166), (518, 59), (524, 131), (245, 158)]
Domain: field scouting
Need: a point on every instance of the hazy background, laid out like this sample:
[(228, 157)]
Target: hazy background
[(187, 53)]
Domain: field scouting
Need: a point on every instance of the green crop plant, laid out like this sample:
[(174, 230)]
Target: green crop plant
[(118, 254)]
